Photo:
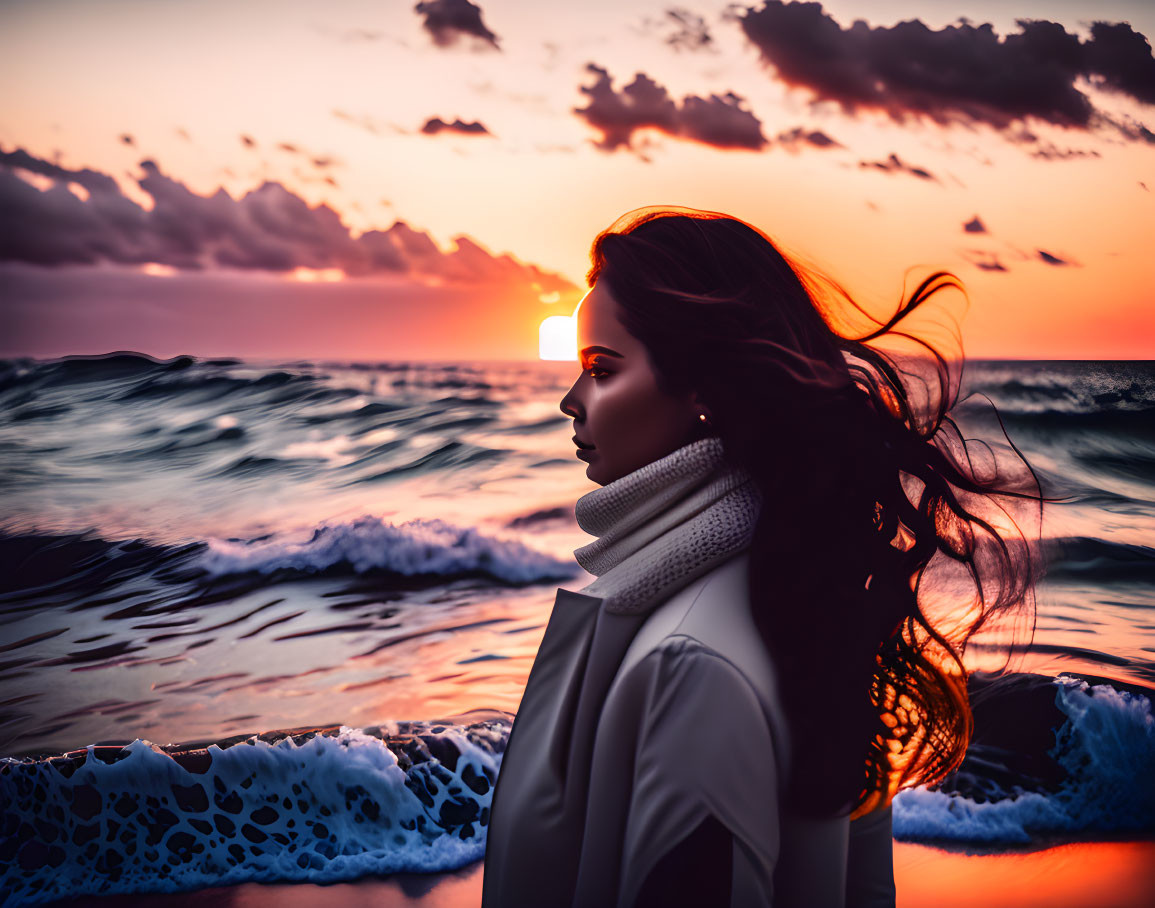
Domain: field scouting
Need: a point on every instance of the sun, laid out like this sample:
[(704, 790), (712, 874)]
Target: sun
[(557, 338)]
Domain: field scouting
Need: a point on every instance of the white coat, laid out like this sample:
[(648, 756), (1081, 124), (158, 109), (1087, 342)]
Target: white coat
[(632, 729)]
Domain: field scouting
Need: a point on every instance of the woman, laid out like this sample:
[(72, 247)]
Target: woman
[(762, 658)]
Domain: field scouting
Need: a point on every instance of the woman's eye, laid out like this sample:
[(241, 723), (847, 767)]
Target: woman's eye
[(601, 373)]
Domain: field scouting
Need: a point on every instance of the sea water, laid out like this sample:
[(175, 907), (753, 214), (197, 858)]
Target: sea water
[(278, 616)]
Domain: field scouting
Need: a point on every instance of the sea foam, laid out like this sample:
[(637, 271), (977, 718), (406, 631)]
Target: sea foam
[(369, 543), (1107, 747), (335, 807)]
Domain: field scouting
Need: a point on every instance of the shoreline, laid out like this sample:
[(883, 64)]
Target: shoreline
[(1114, 874)]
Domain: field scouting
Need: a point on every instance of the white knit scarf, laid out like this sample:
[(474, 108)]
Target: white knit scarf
[(664, 525)]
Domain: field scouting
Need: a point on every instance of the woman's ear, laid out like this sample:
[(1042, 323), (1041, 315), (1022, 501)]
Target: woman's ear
[(698, 408)]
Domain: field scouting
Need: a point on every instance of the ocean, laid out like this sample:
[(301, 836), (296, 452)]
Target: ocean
[(271, 621)]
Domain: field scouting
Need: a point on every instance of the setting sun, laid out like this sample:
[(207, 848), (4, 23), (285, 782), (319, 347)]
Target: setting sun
[(558, 338)]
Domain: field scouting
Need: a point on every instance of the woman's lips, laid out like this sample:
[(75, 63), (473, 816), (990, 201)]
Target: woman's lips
[(585, 453)]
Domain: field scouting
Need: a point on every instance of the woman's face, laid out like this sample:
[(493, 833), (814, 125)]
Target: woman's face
[(622, 421)]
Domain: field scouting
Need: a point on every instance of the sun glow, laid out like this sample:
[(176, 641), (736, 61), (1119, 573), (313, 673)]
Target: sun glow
[(156, 269), (317, 275), (557, 338)]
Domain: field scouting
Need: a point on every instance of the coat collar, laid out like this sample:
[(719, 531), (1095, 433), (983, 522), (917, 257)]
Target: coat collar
[(665, 524)]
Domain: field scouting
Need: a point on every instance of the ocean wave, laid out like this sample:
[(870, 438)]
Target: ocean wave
[(134, 378), (367, 544), (1105, 749), (1099, 561), (43, 564), (1137, 420), (204, 387), (322, 806), (108, 367), (1069, 385)]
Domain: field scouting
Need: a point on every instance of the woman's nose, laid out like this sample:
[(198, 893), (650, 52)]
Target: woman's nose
[(569, 403)]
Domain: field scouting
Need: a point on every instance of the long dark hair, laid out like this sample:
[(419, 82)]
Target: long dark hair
[(876, 512)]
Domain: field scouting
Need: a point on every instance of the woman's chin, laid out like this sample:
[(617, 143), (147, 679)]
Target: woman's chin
[(593, 468)]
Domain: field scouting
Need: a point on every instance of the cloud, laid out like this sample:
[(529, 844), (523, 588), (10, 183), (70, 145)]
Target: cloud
[(1051, 259), (94, 309), (894, 164), (644, 104), (1050, 152), (959, 73), (1121, 57), (975, 226), (268, 229), (690, 34), (792, 138), (447, 20), (984, 260), (320, 162), (435, 125)]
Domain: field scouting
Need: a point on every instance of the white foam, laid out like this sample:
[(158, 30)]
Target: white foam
[(327, 780), (1107, 747), (370, 543)]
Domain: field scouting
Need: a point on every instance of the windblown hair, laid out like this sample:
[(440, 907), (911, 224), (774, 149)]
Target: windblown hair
[(885, 542)]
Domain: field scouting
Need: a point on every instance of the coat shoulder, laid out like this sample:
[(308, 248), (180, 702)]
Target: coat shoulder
[(710, 620)]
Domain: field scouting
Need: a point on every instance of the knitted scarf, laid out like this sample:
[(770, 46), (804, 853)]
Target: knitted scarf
[(664, 525)]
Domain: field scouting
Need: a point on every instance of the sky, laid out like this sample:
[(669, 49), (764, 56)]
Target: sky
[(377, 181)]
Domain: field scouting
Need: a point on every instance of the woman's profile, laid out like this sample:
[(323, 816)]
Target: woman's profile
[(724, 715)]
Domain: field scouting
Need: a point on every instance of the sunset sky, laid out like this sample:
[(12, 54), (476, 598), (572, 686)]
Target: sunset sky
[(382, 181)]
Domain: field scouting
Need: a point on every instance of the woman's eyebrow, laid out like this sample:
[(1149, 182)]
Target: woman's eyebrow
[(598, 349)]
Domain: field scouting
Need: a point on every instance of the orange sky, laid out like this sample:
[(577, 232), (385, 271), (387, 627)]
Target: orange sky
[(333, 101)]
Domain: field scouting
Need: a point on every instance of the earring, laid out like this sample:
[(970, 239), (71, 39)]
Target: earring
[(702, 416)]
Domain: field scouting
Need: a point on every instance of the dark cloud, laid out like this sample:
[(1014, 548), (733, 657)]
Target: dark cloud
[(1049, 152), (268, 229), (720, 121), (1051, 259), (1130, 128), (792, 138), (962, 72), (289, 147), (447, 20), (435, 125), (717, 121), (894, 164), (984, 260), (126, 139), (975, 226), (248, 141), (690, 31), (1120, 58), (93, 181)]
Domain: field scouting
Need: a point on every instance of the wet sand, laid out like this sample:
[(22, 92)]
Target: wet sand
[(1080, 875)]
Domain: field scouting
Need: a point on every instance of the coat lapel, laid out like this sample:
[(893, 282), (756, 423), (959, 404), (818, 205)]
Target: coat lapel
[(543, 784)]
